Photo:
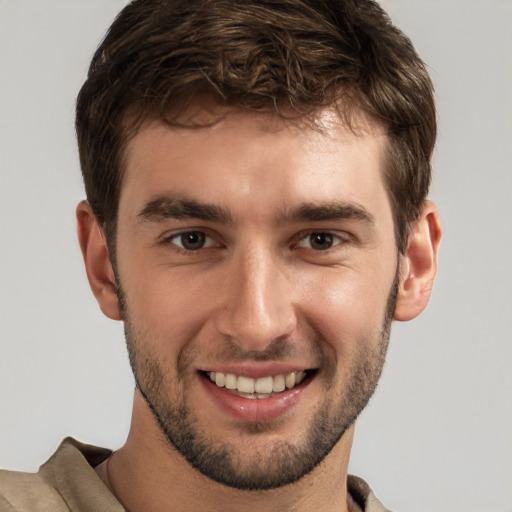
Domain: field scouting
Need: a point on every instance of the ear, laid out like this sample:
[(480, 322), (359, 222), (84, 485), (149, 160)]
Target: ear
[(419, 264), (97, 262)]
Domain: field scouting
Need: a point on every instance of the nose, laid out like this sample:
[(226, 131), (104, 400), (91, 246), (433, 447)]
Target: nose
[(257, 306)]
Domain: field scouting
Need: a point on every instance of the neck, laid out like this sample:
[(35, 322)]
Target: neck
[(148, 474)]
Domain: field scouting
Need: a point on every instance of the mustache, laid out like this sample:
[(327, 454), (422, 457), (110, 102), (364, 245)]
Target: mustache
[(279, 349)]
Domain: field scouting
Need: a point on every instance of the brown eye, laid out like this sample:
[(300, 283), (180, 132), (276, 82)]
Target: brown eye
[(192, 240), (319, 241)]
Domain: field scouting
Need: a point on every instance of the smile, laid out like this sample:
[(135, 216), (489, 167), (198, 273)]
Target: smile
[(261, 388), (256, 394)]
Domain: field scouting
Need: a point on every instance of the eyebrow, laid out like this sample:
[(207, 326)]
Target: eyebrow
[(337, 210), (182, 208), (168, 207)]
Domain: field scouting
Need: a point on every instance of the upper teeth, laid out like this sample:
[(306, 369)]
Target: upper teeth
[(263, 385)]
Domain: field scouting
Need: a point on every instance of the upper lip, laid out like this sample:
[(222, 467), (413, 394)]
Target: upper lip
[(256, 370)]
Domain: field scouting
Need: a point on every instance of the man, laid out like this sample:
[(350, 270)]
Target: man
[(256, 176)]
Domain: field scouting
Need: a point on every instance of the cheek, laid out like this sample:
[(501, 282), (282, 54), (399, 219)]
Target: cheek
[(169, 307), (347, 308)]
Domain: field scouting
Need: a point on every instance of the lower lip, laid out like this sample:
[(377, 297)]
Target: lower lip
[(254, 410)]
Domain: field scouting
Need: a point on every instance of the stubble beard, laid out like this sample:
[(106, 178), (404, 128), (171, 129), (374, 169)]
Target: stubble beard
[(281, 462)]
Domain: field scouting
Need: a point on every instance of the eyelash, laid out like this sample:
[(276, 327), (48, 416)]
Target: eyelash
[(171, 240), (336, 240)]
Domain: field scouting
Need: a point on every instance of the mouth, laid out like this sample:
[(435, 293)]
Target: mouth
[(260, 388), (257, 393)]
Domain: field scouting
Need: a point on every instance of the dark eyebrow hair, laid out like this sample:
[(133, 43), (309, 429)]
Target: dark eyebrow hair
[(311, 212), (169, 207), (182, 208)]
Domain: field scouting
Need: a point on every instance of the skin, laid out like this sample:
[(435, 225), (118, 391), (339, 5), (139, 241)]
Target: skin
[(261, 297)]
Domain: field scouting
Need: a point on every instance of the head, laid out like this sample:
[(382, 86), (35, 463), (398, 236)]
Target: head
[(260, 172), (293, 58)]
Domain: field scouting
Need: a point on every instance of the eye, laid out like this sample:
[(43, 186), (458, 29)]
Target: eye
[(319, 241), (192, 240)]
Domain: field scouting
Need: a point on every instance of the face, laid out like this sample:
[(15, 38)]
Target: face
[(257, 266)]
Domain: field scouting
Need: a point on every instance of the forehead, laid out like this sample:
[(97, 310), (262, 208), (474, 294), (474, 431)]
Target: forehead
[(260, 159)]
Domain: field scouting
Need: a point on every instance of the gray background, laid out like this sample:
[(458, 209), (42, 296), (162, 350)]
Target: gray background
[(438, 434)]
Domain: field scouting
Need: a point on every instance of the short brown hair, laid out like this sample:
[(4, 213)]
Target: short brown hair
[(262, 55)]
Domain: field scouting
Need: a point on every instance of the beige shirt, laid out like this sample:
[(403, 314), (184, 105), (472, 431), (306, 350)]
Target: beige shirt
[(67, 482)]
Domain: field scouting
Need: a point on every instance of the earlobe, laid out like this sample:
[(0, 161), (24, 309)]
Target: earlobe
[(419, 264), (97, 262)]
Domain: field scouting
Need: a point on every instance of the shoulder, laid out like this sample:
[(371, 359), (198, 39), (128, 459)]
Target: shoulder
[(363, 495), (26, 492), (67, 481)]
